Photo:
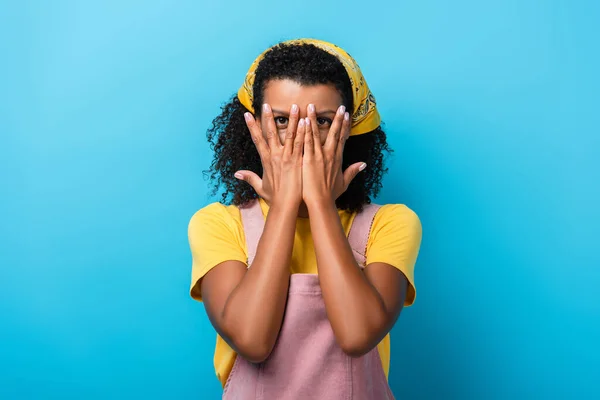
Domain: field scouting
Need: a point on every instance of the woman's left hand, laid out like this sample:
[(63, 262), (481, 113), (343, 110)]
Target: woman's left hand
[(322, 176)]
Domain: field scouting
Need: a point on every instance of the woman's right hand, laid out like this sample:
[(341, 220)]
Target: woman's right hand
[(281, 183)]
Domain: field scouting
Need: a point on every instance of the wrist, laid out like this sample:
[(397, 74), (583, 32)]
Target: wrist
[(285, 207), (321, 203)]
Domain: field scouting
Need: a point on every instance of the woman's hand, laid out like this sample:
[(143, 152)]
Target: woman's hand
[(281, 182), (322, 176)]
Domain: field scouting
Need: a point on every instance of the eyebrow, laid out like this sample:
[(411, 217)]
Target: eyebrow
[(287, 113)]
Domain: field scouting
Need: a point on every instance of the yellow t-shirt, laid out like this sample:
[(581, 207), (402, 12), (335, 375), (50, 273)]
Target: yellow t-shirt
[(216, 234)]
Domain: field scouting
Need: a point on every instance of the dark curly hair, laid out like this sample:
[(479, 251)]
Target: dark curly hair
[(234, 150)]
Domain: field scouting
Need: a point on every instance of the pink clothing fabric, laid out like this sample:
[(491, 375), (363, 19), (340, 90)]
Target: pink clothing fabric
[(306, 362)]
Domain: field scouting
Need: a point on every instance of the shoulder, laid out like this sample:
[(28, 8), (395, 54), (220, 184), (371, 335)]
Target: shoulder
[(215, 215), (395, 223), (396, 214), (216, 210)]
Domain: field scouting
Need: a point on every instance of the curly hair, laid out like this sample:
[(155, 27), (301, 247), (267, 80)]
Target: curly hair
[(234, 149)]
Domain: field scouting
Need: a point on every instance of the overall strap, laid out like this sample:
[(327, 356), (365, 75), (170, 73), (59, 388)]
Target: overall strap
[(359, 232), (254, 223)]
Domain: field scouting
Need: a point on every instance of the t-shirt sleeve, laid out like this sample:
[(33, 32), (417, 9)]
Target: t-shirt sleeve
[(395, 239), (215, 236)]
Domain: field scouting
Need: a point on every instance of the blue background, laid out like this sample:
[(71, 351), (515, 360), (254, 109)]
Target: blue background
[(492, 108)]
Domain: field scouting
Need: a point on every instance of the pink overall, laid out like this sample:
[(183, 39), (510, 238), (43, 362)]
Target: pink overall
[(306, 362)]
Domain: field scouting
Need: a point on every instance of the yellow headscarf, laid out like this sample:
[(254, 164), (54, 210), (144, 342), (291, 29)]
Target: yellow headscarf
[(365, 116)]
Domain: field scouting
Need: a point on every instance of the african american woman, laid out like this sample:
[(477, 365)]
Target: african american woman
[(301, 275)]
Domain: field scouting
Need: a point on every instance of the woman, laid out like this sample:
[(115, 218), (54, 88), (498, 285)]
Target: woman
[(301, 277)]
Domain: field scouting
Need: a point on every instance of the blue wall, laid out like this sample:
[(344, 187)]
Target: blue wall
[(493, 110)]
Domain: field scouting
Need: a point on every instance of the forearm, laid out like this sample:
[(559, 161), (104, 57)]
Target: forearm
[(355, 309), (254, 310)]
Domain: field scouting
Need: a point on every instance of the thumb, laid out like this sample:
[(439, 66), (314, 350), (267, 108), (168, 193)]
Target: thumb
[(253, 180), (351, 172)]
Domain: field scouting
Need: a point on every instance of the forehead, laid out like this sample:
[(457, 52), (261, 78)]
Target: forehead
[(287, 92)]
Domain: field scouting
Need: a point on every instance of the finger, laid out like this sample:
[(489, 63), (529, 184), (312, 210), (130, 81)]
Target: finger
[(291, 133), (257, 137), (253, 180), (299, 139), (268, 126), (309, 150), (351, 172), (314, 129), (343, 137), (333, 135)]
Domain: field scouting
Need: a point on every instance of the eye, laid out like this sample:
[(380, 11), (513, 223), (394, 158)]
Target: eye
[(324, 122), (281, 122)]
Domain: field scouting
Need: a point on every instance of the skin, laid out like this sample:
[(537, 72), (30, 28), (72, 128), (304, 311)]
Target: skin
[(300, 137)]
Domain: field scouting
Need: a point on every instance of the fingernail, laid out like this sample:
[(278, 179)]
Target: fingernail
[(294, 109), (362, 166), (341, 110), (266, 108), (346, 116), (311, 108), (301, 123), (238, 175), (307, 122), (247, 116)]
